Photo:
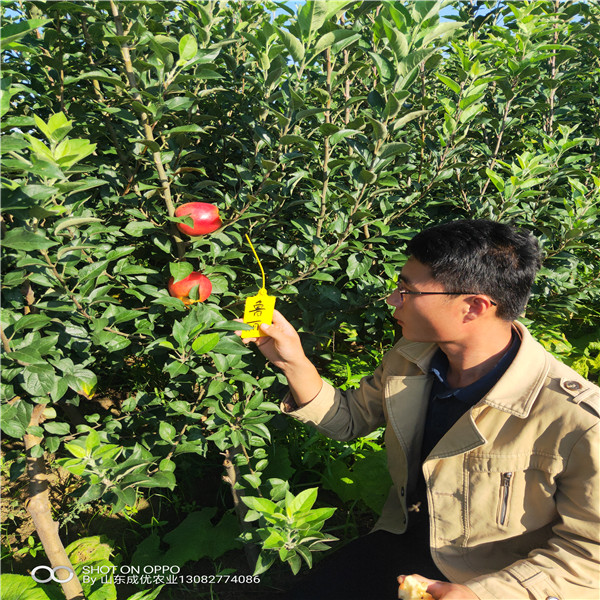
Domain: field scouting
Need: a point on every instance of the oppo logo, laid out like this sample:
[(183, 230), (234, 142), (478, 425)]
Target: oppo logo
[(51, 574)]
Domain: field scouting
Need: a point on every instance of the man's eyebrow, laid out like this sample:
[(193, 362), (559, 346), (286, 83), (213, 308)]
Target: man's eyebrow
[(405, 279)]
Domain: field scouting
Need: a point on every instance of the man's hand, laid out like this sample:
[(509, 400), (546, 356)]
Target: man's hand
[(442, 590), (282, 347)]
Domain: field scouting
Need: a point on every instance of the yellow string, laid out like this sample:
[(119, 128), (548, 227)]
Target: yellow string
[(258, 261)]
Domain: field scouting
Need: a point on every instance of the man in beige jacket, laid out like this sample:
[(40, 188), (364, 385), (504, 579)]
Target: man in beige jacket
[(492, 443)]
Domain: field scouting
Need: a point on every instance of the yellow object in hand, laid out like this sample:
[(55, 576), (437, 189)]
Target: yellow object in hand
[(259, 309)]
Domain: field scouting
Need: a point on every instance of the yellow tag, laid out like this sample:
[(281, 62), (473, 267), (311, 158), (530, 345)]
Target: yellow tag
[(259, 309)]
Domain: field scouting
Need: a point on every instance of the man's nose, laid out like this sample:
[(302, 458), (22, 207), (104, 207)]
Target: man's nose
[(394, 299)]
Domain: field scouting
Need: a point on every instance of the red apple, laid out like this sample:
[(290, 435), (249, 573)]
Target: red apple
[(182, 288), (206, 218)]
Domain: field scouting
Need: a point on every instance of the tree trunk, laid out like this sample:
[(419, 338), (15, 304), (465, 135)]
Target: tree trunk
[(231, 477), (38, 507)]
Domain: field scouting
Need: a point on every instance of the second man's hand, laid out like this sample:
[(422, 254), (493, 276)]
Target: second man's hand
[(282, 347)]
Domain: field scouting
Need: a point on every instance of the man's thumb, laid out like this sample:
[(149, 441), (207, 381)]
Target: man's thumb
[(264, 327)]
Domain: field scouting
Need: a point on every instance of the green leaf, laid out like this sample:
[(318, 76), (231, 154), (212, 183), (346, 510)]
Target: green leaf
[(139, 228), (303, 501), (57, 127), (279, 488), (205, 343), (260, 504), (180, 270), (337, 40), (147, 594), (295, 563), (69, 152), (366, 176), (9, 424), (12, 32), (443, 31), (23, 587), (409, 117), (176, 368), (341, 134), (292, 43), (379, 129), (231, 345), (31, 321), (75, 222), (40, 193), (313, 14), (259, 429), (393, 149), (39, 380), (166, 431), (455, 87), (45, 169), (398, 42), (6, 93), (22, 239), (274, 540), (188, 47), (216, 539), (358, 266), (110, 341), (264, 562), (495, 179), (162, 479), (126, 497), (57, 428), (13, 142), (386, 69), (185, 129), (469, 113), (76, 450), (253, 479), (92, 440), (288, 140), (96, 75)]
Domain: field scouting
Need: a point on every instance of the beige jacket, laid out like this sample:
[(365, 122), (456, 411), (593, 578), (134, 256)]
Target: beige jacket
[(513, 486)]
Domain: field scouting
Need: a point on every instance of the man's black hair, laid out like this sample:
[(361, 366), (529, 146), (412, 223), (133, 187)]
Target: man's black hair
[(481, 256)]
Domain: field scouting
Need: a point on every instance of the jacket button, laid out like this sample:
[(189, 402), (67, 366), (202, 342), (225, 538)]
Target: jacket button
[(402, 491), (572, 385), (551, 598)]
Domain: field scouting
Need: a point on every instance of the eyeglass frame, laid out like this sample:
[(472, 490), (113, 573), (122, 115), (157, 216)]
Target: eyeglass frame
[(408, 292)]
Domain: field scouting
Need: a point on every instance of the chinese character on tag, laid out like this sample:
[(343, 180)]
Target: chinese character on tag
[(259, 309)]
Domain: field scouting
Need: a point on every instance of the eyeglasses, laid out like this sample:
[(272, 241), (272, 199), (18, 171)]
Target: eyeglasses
[(403, 292)]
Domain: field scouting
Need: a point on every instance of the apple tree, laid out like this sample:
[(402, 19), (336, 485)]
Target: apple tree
[(330, 132)]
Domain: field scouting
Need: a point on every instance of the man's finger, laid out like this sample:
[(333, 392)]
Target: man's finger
[(420, 579), (271, 330), (278, 317)]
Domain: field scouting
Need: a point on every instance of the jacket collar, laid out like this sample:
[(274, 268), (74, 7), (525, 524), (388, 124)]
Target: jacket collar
[(419, 353), (520, 385), (516, 390)]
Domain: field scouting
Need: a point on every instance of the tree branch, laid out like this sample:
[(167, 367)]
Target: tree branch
[(148, 130)]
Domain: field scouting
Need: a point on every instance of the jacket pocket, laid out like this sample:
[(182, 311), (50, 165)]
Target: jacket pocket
[(509, 495), (504, 499)]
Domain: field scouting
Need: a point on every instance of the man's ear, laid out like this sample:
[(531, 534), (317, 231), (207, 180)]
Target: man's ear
[(477, 306)]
